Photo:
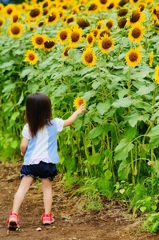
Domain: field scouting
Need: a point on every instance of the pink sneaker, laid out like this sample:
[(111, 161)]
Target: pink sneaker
[(47, 219), (13, 221)]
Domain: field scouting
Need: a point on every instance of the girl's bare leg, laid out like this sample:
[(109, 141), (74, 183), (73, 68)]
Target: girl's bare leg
[(20, 194), (47, 195)]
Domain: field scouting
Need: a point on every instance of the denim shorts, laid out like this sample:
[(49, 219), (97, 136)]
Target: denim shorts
[(41, 170)]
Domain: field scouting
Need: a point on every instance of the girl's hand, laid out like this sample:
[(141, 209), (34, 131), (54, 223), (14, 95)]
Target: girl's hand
[(81, 109)]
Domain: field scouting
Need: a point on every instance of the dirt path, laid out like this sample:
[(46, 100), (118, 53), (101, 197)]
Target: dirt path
[(72, 223)]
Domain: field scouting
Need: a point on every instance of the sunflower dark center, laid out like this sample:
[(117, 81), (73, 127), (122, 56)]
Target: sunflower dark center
[(49, 44), (75, 37), (15, 30), (66, 51), (110, 6), (52, 17), (41, 24), (63, 35), (69, 20), (104, 32), (136, 33), (103, 1), (106, 43), (122, 22), (135, 17), (89, 57), (122, 12), (31, 56), (34, 12), (1, 22), (39, 40), (15, 18), (90, 39), (109, 24), (92, 7), (83, 23), (9, 10), (133, 56)]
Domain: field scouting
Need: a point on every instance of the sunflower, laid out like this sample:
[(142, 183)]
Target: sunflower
[(103, 4), (136, 32), (151, 58), (1, 7), (31, 57), (109, 23), (64, 35), (90, 39), (15, 16), (8, 9), (106, 44), (136, 16), (38, 40), (2, 21), (70, 19), (75, 36), (53, 17), (122, 12), (133, 57), (83, 23), (78, 101), (49, 44), (89, 57), (35, 13), (122, 22), (103, 32), (16, 30), (66, 51), (156, 13), (157, 74), (93, 7), (112, 5)]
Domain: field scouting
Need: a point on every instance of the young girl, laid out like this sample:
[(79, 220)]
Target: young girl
[(39, 148)]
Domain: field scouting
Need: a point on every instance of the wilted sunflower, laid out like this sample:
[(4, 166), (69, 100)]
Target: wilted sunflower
[(151, 58), (64, 35), (78, 101), (16, 30), (89, 57), (105, 44), (35, 13), (75, 36), (136, 16), (38, 40), (157, 74), (136, 32), (31, 57), (49, 44), (133, 57)]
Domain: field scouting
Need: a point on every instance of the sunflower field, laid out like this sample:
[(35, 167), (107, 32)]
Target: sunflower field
[(101, 52)]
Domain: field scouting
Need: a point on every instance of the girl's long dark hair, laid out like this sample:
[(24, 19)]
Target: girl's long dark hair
[(38, 112)]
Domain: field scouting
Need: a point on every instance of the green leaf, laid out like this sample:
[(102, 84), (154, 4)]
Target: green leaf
[(133, 119), (96, 84), (9, 87), (146, 89), (95, 132), (14, 116), (7, 64), (103, 107), (26, 71), (154, 132), (108, 174), (123, 149), (123, 102), (123, 170)]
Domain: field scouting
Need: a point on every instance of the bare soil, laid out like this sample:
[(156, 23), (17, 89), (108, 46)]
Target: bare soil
[(73, 222)]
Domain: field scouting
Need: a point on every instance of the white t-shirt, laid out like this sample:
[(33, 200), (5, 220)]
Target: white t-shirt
[(43, 147)]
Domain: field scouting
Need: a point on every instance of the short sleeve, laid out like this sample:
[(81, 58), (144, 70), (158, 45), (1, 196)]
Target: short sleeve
[(25, 132), (59, 124)]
